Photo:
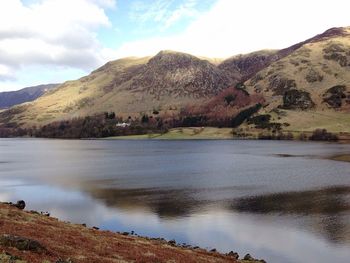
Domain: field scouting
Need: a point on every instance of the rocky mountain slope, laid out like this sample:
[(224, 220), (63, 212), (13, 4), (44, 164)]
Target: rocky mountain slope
[(311, 85), (166, 82), (11, 98), (305, 86)]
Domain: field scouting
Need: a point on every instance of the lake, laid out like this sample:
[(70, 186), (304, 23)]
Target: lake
[(277, 200)]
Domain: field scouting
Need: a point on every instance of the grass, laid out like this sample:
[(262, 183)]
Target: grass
[(77, 243), (312, 120), (331, 123), (191, 133)]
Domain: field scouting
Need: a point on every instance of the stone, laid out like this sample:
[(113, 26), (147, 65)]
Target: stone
[(45, 213), (172, 242), (248, 257), (20, 204), (233, 255)]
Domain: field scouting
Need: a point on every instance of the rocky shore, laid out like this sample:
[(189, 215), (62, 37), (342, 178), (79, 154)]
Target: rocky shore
[(33, 237)]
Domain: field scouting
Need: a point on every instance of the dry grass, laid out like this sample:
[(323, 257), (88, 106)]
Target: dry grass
[(82, 244), (311, 120), (188, 133)]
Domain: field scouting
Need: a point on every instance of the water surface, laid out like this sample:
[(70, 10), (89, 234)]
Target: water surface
[(281, 201)]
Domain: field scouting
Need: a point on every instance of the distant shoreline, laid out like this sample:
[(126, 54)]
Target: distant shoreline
[(214, 133)]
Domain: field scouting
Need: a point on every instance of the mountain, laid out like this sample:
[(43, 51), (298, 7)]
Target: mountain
[(166, 82), (309, 85), (245, 66), (11, 98), (300, 88)]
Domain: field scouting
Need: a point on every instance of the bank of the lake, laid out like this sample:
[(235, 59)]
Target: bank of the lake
[(36, 238), (191, 133), (215, 133)]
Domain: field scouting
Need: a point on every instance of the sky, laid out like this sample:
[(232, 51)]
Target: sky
[(52, 41)]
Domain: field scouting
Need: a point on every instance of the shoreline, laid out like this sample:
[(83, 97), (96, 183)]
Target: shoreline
[(30, 236), (215, 133)]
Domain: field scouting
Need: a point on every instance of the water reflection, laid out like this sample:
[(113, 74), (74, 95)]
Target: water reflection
[(166, 203), (327, 209), (326, 201), (244, 196)]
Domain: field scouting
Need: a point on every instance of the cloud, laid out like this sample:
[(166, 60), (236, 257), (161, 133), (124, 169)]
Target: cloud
[(105, 3), (58, 33), (233, 27), (165, 13), (5, 73)]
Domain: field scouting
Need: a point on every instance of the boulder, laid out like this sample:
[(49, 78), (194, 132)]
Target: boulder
[(172, 242), (20, 204), (233, 254), (248, 257)]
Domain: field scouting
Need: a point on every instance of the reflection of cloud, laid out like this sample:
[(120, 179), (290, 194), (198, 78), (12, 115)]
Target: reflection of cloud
[(5, 197), (264, 235)]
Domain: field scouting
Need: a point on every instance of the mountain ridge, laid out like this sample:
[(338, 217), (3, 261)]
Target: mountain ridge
[(310, 76), (11, 98)]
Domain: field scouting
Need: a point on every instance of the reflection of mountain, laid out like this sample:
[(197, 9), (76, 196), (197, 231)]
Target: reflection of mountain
[(327, 201), (327, 208), (324, 211), (166, 203)]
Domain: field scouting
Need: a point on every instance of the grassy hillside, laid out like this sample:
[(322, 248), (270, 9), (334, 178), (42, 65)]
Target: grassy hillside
[(309, 88)]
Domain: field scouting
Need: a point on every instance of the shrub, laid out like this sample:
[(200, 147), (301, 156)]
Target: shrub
[(244, 115), (229, 98), (323, 135)]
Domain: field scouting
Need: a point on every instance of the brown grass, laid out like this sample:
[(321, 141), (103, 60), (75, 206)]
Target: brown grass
[(82, 244)]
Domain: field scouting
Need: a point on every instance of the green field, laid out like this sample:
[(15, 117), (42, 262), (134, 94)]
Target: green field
[(204, 133)]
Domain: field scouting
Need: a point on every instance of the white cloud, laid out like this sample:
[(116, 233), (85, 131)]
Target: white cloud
[(165, 13), (233, 27), (51, 32), (5, 73), (105, 3), (186, 9)]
